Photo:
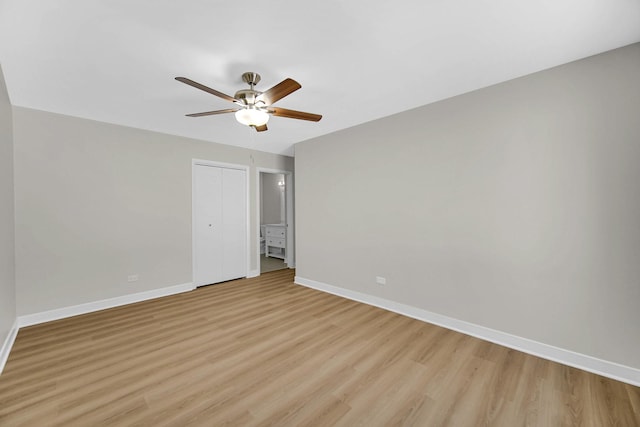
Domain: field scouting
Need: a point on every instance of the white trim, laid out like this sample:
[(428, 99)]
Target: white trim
[(253, 273), (592, 364), (214, 163), (75, 310), (8, 343), (246, 169), (288, 176), (291, 242)]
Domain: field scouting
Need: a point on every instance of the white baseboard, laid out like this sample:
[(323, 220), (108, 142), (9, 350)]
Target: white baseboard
[(253, 273), (605, 368), (7, 344), (75, 310)]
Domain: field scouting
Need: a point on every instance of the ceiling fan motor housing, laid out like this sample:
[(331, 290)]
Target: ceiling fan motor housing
[(247, 96)]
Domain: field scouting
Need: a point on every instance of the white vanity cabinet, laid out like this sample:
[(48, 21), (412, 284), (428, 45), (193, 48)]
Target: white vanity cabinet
[(276, 240)]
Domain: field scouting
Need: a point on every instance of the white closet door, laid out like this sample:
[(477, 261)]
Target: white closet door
[(234, 219), (219, 231)]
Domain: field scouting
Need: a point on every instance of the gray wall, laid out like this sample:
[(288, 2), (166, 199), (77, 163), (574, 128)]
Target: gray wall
[(271, 196), (7, 271), (515, 207), (97, 202)]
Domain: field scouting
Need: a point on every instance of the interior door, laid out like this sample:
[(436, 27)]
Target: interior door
[(219, 230)]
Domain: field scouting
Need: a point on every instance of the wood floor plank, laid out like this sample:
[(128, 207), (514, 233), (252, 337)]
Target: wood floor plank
[(264, 351)]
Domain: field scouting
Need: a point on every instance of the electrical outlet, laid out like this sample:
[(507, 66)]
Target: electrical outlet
[(381, 280), (133, 278)]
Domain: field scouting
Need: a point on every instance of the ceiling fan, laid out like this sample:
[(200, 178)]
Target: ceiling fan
[(254, 107)]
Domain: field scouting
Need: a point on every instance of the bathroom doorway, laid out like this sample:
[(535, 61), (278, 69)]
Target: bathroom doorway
[(275, 230)]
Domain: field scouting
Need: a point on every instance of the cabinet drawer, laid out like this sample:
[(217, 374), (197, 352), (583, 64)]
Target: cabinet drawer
[(275, 231), (272, 241)]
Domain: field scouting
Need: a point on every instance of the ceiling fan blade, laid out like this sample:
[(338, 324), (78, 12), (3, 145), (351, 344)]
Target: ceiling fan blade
[(211, 113), (206, 89), (279, 91), (293, 114), (261, 128)]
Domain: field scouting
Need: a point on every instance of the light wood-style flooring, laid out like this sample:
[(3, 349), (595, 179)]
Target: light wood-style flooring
[(265, 351), (271, 264)]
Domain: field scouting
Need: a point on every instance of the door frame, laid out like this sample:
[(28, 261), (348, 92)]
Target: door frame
[(288, 200), (202, 162)]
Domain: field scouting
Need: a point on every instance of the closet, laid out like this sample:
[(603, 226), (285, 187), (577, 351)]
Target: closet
[(219, 223)]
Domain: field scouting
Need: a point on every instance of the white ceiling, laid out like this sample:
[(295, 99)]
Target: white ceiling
[(358, 60)]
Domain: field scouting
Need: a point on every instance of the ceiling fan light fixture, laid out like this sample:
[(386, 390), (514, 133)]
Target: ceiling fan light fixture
[(252, 116)]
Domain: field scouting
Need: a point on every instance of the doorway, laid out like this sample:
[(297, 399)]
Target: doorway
[(275, 230)]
